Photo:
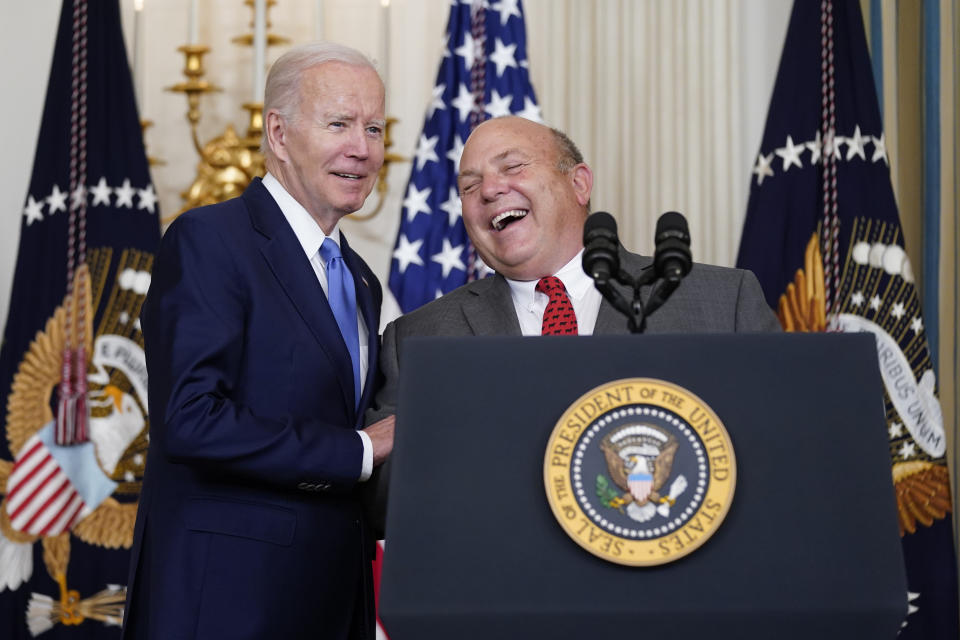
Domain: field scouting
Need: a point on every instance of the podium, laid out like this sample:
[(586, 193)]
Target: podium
[(808, 549)]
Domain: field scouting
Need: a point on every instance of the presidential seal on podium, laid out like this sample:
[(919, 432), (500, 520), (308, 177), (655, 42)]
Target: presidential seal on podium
[(639, 471)]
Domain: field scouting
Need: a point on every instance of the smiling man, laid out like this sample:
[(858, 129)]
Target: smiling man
[(525, 191), (260, 330)]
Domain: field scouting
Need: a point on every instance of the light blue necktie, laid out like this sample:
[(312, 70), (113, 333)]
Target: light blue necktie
[(343, 302)]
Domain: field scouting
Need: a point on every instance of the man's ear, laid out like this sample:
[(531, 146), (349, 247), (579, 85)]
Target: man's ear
[(582, 179), (276, 130)]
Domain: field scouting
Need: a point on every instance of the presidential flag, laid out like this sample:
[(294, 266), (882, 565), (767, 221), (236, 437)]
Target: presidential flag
[(483, 74), (823, 235), (72, 369)]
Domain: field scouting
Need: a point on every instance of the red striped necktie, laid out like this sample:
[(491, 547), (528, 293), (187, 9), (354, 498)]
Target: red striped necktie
[(558, 318)]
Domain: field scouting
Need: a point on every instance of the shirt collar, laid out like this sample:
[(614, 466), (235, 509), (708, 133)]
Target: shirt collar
[(574, 278), (308, 232), (572, 275)]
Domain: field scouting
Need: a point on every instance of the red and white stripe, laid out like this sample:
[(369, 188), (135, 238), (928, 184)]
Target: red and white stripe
[(640, 487), (41, 500), (377, 567)]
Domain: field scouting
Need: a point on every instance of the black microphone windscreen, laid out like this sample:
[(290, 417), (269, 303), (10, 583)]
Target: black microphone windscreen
[(672, 225), (672, 259), (599, 220), (600, 244)]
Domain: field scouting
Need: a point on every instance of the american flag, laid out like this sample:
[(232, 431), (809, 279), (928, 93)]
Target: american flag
[(823, 235), (483, 74)]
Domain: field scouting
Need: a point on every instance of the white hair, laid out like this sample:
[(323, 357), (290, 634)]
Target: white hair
[(282, 91)]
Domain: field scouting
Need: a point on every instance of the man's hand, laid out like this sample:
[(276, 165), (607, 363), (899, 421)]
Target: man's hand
[(381, 437)]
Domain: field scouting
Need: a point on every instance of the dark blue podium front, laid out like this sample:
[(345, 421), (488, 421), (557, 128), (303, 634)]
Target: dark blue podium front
[(809, 548)]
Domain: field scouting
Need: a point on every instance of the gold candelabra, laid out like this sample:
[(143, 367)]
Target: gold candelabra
[(229, 162), (195, 86)]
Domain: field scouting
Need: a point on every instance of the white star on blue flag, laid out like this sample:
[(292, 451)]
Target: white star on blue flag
[(432, 252)]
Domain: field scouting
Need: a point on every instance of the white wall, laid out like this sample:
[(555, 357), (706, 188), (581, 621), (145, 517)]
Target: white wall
[(602, 42), (27, 34)]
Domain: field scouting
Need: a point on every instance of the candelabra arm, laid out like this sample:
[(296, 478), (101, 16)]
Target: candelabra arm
[(194, 87), (196, 139)]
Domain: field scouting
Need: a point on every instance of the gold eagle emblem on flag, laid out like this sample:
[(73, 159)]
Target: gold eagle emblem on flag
[(920, 478), (51, 492)]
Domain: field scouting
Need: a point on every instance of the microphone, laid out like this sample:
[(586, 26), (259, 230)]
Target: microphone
[(672, 259), (601, 260)]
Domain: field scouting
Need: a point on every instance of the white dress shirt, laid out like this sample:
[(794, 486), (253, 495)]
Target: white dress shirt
[(530, 303), (311, 236)]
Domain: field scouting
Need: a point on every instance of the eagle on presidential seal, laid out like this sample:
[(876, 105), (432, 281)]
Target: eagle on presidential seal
[(639, 459)]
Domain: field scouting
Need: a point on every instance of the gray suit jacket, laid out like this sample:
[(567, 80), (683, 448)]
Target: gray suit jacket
[(709, 300)]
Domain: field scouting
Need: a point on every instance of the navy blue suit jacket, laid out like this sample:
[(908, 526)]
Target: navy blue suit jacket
[(250, 523)]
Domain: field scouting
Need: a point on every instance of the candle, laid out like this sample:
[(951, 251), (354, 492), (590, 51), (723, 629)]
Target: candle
[(385, 45), (318, 25), (138, 45), (192, 24), (259, 48)]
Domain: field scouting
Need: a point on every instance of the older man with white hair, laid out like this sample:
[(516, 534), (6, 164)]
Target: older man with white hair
[(260, 330)]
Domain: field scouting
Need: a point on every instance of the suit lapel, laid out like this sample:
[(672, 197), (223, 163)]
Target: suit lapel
[(489, 310), (610, 321), (296, 277)]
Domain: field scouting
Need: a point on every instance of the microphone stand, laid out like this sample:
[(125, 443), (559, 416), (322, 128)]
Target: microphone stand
[(635, 310), (671, 262)]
